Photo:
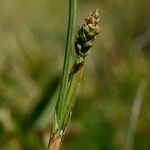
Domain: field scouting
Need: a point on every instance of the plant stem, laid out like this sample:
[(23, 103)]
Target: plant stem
[(68, 55), (60, 127), (56, 136), (135, 115), (71, 94)]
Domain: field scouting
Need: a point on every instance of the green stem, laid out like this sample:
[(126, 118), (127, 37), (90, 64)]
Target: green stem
[(70, 97), (56, 136), (71, 94), (68, 55), (137, 104)]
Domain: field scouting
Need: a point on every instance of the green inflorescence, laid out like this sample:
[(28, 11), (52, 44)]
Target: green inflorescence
[(87, 34)]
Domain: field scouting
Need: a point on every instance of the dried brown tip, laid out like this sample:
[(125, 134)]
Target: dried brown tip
[(93, 18)]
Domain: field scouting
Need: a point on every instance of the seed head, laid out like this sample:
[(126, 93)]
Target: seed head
[(87, 34)]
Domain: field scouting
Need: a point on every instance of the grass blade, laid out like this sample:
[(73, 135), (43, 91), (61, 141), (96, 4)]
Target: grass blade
[(135, 115)]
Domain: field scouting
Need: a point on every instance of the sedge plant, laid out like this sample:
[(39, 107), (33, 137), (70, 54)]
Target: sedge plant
[(78, 48)]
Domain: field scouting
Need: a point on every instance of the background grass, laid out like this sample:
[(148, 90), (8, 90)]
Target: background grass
[(32, 43)]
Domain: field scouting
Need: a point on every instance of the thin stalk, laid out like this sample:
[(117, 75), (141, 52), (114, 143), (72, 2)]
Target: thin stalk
[(55, 139), (68, 54), (70, 98), (71, 94), (135, 115)]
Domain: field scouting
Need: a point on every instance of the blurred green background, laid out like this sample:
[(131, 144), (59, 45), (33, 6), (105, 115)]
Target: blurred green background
[(32, 44)]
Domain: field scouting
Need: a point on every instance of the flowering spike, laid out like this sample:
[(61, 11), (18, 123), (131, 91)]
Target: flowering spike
[(87, 34)]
